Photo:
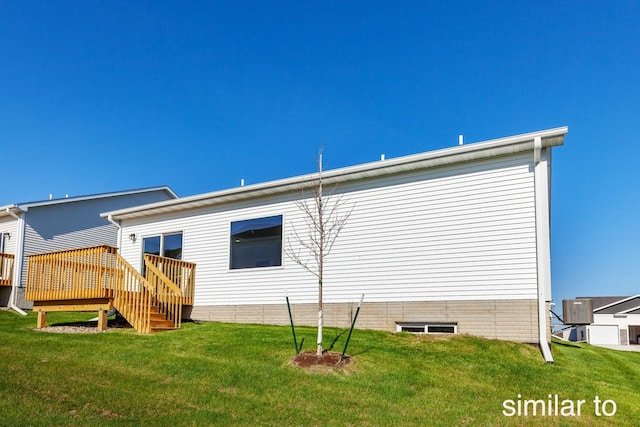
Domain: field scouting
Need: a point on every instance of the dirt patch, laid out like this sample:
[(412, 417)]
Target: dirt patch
[(69, 330), (329, 359)]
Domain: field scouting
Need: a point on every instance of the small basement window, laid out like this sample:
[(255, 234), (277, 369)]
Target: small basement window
[(427, 328)]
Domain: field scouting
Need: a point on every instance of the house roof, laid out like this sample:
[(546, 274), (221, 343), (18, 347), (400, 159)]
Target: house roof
[(382, 168), (615, 305), (18, 208)]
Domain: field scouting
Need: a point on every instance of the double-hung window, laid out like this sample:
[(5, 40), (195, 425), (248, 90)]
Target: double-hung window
[(256, 243)]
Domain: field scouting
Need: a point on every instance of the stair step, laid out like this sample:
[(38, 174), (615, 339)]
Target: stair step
[(155, 329), (161, 324), (158, 320)]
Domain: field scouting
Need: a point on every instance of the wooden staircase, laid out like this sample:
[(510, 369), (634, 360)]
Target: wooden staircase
[(99, 279), (159, 321)]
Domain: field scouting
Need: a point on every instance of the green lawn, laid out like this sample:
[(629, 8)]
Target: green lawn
[(227, 374)]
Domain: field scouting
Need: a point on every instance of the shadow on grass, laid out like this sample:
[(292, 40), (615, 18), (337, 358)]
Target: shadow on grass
[(366, 350), (567, 344), (336, 338)]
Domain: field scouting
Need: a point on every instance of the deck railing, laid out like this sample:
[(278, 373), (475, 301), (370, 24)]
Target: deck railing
[(75, 274), (6, 269), (100, 272), (181, 273)]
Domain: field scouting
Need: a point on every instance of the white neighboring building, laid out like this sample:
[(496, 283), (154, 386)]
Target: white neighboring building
[(448, 241), (616, 321)]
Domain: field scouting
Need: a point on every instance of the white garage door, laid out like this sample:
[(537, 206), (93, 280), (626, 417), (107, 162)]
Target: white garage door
[(603, 334)]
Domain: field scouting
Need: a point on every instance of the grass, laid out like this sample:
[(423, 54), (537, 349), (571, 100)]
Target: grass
[(227, 374)]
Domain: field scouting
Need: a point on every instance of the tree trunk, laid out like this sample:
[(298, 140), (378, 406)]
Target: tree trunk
[(319, 349), (321, 236)]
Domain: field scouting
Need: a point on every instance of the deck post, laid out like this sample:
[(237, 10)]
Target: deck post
[(102, 320), (42, 319)]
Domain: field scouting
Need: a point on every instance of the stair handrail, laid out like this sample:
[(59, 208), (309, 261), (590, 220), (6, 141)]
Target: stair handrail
[(179, 272), (132, 296), (167, 295)]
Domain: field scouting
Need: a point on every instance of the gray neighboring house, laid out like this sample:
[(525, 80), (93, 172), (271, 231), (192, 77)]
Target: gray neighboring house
[(59, 224)]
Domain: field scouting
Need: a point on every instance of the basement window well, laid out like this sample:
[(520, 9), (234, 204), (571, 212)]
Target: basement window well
[(427, 328)]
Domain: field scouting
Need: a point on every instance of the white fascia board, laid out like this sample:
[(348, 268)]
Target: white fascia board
[(616, 303), (430, 159)]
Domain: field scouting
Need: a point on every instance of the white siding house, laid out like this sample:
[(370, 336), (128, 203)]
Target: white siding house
[(453, 240), (616, 321), (61, 224)]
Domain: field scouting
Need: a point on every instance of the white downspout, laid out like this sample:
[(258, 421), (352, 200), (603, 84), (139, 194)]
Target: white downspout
[(17, 264), (119, 238), (543, 252)]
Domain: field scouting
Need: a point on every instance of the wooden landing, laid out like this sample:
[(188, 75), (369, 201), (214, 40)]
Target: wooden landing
[(90, 304), (158, 321)]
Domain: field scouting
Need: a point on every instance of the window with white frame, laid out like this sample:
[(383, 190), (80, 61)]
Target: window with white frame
[(427, 328), (256, 243)]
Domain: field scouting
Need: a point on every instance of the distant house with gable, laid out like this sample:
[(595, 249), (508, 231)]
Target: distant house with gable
[(59, 224), (616, 321)]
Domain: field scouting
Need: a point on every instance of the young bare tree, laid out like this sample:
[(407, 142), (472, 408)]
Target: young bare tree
[(325, 216)]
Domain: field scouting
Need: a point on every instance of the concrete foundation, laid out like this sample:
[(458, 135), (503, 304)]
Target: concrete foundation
[(513, 320)]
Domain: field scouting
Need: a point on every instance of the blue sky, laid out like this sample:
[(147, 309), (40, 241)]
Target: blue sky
[(98, 96)]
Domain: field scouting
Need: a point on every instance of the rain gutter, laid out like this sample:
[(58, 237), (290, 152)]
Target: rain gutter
[(17, 263), (543, 251), (119, 227)]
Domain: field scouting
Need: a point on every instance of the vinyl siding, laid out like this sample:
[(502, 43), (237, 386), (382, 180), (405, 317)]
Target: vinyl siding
[(451, 234), (76, 224), (9, 225)]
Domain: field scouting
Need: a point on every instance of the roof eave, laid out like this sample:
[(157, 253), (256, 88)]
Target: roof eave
[(9, 209), (616, 303), (431, 159), (166, 189)]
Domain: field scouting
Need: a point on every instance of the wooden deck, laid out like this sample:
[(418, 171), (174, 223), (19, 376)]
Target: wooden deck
[(6, 269), (99, 279)]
